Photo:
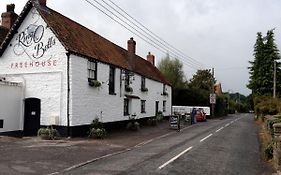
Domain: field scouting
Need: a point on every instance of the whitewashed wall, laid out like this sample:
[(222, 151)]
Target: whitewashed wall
[(88, 102), (43, 73), (11, 108)]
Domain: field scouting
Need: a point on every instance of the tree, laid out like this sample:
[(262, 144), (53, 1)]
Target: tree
[(203, 79), (261, 69), (172, 69)]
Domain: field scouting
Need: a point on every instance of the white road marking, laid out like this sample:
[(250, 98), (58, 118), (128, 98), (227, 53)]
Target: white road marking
[(227, 125), (174, 158), (219, 129), (206, 137)]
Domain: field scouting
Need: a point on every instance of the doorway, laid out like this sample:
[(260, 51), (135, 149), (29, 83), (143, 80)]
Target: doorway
[(32, 111)]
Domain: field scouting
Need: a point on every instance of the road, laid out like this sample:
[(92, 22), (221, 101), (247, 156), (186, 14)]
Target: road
[(227, 147)]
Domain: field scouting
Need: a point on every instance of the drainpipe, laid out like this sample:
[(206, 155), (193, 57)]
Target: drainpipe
[(68, 92)]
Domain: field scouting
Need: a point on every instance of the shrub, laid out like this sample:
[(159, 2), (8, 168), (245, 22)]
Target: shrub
[(98, 133), (128, 89), (269, 149), (133, 125), (266, 105), (48, 133), (159, 116), (152, 122), (97, 130)]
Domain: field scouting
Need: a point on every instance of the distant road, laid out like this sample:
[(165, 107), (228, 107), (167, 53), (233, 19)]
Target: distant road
[(216, 147)]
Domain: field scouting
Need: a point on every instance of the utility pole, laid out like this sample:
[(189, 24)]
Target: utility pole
[(213, 91), (274, 80)]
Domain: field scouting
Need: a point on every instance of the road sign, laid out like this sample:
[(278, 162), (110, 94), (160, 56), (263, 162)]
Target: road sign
[(212, 98)]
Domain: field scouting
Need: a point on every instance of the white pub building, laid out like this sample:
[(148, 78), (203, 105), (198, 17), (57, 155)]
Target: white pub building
[(56, 72)]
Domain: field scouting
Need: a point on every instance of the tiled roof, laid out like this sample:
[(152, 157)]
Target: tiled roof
[(79, 40)]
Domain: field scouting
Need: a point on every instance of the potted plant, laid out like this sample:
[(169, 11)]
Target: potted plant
[(144, 89), (133, 125), (48, 133), (128, 89), (94, 83), (97, 130)]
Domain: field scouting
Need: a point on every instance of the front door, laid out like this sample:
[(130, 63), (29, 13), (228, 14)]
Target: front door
[(32, 112), (156, 107)]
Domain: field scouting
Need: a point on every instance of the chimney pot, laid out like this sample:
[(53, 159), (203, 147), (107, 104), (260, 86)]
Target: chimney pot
[(151, 58), (10, 7), (131, 45)]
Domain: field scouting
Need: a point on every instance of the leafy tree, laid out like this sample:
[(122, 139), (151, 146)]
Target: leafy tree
[(202, 80), (172, 69), (261, 69)]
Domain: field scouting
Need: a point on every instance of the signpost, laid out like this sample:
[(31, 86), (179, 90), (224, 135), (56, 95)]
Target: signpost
[(213, 98), (174, 122)]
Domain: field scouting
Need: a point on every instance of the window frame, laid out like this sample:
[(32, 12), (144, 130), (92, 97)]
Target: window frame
[(143, 82), (164, 105), (143, 104), (126, 107), (92, 68), (111, 81)]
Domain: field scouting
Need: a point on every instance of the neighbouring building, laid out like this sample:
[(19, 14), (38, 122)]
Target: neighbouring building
[(65, 75), (218, 89)]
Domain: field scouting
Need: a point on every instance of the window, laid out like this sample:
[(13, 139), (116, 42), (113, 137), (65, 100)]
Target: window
[(127, 79), (142, 106), (126, 106), (92, 70), (164, 88), (1, 123), (112, 80), (164, 106), (156, 107), (142, 82)]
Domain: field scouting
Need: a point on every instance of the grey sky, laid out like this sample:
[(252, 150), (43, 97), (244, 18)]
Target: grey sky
[(217, 33)]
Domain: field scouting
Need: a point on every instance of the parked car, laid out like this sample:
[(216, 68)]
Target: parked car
[(200, 115)]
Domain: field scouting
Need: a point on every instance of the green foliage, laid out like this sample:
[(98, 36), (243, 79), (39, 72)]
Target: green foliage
[(99, 133), (48, 133), (133, 125), (265, 105), (221, 106), (261, 69), (97, 130), (172, 69), (159, 116), (94, 83), (268, 151), (128, 89), (152, 121), (203, 79)]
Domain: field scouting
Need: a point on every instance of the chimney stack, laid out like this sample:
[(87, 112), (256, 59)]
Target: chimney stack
[(9, 17), (151, 58), (42, 2), (131, 46)]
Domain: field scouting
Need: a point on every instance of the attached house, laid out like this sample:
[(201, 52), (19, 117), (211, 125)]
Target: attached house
[(71, 75)]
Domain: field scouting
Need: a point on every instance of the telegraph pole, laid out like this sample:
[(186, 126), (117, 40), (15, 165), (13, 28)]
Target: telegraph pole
[(274, 80), (213, 91)]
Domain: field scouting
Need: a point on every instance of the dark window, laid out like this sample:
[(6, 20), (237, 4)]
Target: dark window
[(92, 70), (156, 107), (164, 106), (1, 123), (142, 82), (112, 80), (126, 106), (142, 106), (164, 88), (127, 79)]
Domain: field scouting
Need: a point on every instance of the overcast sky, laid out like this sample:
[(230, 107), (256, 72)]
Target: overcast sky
[(217, 33)]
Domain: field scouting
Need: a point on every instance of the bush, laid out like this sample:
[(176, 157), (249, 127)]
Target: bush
[(265, 105), (133, 126), (269, 149), (98, 133), (97, 130), (48, 133), (152, 122), (94, 83), (159, 116)]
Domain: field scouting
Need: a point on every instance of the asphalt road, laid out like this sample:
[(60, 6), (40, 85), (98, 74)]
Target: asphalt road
[(217, 147)]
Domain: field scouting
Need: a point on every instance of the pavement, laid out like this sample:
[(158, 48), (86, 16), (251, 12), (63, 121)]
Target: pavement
[(31, 155)]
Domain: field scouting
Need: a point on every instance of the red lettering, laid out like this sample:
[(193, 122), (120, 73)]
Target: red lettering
[(16, 65), (12, 65), (43, 64), (25, 64), (55, 62), (37, 64), (20, 65), (49, 63), (31, 64)]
